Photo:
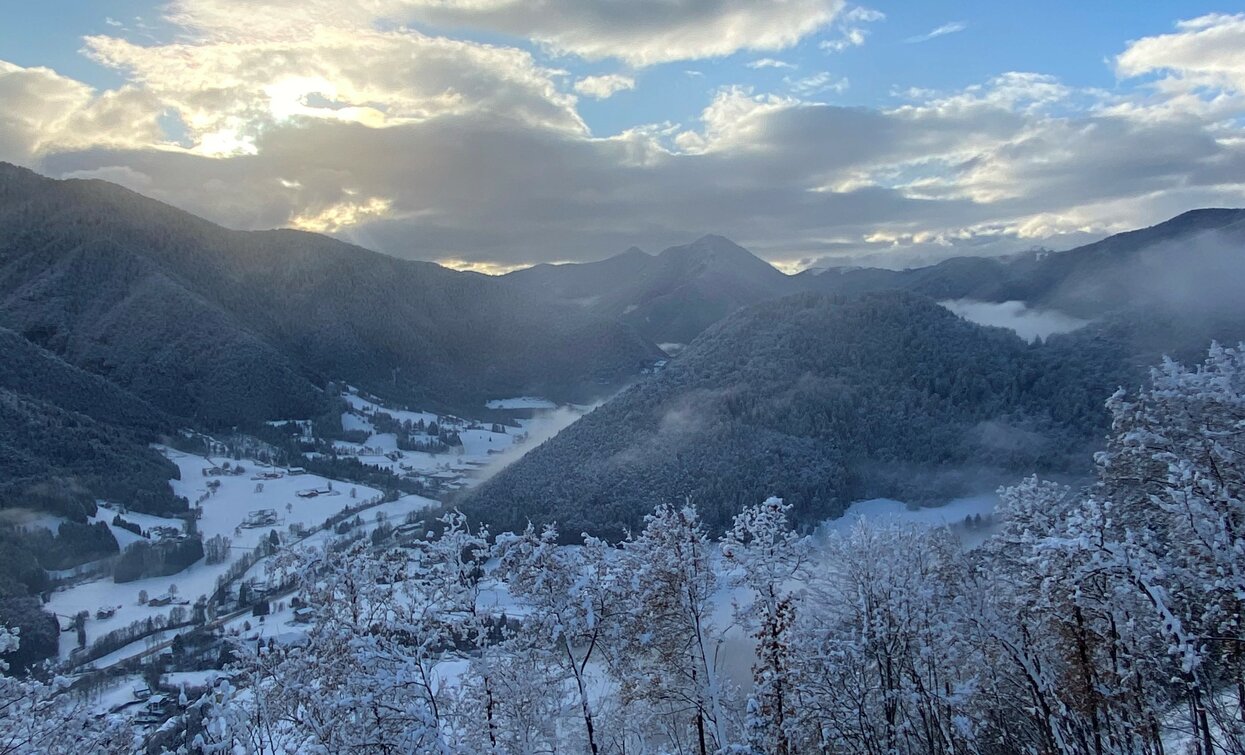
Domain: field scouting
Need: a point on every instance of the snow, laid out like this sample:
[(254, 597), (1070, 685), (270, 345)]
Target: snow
[(483, 452), (521, 402), (950, 513), (360, 404), (352, 421), (181, 679), (124, 536), (222, 513), (114, 693)]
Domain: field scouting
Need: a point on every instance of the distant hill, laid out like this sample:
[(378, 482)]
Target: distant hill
[(821, 400), (670, 297), (863, 386), (1191, 260), (228, 327)]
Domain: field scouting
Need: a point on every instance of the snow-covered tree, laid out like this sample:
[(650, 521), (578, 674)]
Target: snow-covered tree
[(670, 644), (574, 606), (767, 558), (39, 717)]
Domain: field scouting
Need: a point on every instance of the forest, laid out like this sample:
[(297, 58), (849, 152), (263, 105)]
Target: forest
[(823, 401)]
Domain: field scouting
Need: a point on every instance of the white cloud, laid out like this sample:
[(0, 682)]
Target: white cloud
[(228, 88), (951, 27), (770, 63), (850, 28), (1030, 323), (1208, 50), (818, 83), (640, 32), (45, 112), (603, 87), (437, 148), (1199, 70)]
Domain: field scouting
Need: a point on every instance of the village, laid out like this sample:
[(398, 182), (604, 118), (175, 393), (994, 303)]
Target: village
[(129, 642)]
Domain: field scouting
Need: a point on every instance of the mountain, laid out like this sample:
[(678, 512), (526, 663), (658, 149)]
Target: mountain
[(821, 400), (670, 297), (229, 327), (68, 437), (1193, 262)]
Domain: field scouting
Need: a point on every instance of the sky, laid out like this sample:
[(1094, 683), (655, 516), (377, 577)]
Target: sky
[(494, 134)]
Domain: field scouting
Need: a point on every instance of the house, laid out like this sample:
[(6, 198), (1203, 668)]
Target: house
[(414, 529), (304, 615), (295, 471), (160, 600), (106, 613), (260, 518)]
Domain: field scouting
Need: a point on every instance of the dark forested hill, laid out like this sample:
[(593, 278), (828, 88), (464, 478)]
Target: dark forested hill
[(27, 369), (228, 326), (68, 436), (822, 400)]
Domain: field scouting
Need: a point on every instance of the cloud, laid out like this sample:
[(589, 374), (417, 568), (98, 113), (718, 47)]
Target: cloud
[(1207, 50), (816, 84), (227, 88), (45, 112), (1198, 70), (639, 32), (951, 27), (851, 29), (604, 87), (333, 118), (1030, 323), (770, 63)]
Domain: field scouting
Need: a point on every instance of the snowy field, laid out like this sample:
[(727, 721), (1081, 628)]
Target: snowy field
[(227, 508), (522, 402), (223, 513), (888, 510), (483, 452)]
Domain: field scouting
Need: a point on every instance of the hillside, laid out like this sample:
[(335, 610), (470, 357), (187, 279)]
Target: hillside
[(1191, 264), (1182, 264), (821, 400), (670, 297), (77, 431), (231, 327)]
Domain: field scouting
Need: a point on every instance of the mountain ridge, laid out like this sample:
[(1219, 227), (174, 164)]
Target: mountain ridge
[(82, 261)]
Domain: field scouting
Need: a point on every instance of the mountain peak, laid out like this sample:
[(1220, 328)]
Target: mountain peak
[(720, 254)]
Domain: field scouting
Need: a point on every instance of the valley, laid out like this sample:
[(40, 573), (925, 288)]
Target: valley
[(236, 463)]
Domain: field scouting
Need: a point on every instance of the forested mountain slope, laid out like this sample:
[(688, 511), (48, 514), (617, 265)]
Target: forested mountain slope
[(67, 436), (1184, 263), (1191, 263), (821, 400), (670, 297), (229, 326)]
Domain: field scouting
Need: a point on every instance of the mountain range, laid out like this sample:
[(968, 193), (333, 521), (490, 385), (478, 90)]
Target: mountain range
[(229, 327), (1191, 261), (122, 319)]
